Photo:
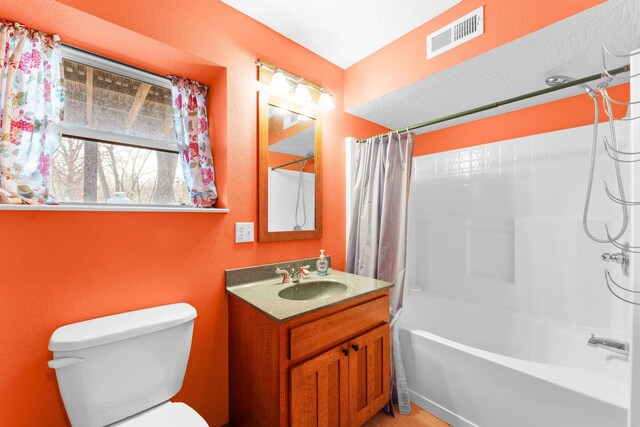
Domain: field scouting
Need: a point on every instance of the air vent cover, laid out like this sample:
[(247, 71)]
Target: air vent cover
[(458, 32)]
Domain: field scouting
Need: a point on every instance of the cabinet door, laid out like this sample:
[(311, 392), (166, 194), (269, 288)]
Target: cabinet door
[(369, 374), (320, 390)]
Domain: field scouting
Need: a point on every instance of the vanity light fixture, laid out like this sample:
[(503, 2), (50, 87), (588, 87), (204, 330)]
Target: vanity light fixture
[(303, 95), (282, 82), (325, 103), (279, 82)]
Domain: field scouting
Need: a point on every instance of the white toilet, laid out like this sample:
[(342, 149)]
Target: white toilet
[(121, 370)]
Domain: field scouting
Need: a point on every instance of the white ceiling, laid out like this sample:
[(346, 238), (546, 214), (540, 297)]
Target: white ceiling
[(342, 31), (299, 144), (571, 47)]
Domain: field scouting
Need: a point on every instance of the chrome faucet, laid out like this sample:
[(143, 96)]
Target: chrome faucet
[(295, 276), (300, 273), (615, 346)]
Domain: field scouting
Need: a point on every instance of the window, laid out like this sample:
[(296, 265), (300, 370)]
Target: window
[(118, 136)]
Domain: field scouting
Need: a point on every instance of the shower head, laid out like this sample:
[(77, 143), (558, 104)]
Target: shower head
[(560, 80)]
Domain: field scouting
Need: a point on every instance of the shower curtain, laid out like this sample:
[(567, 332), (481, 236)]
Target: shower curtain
[(378, 232)]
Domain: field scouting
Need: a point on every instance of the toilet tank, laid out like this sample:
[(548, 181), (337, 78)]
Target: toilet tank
[(113, 367)]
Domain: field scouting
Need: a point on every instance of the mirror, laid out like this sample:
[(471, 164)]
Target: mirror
[(289, 172)]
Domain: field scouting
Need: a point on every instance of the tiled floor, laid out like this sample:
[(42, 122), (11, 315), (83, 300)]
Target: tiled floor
[(418, 418)]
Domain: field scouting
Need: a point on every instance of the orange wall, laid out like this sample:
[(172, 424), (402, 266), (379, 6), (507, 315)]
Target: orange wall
[(404, 61), (62, 267), (59, 267)]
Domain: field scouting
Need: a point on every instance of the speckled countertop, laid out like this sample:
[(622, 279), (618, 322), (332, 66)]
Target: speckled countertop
[(264, 294)]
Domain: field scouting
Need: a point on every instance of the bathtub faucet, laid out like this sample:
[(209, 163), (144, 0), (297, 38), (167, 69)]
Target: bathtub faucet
[(615, 346)]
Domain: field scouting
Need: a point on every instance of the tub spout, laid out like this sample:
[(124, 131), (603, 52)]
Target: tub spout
[(615, 346)]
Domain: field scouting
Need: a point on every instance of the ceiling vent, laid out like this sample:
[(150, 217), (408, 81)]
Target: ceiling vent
[(458, 32)]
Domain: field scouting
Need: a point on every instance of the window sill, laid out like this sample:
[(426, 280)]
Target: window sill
[(110, 208)]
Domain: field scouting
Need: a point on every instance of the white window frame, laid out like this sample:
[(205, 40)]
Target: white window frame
[(115, 67), (96, 61)]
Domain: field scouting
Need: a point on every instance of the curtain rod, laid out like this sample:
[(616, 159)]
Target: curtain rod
[(295, 161), (620, 70)]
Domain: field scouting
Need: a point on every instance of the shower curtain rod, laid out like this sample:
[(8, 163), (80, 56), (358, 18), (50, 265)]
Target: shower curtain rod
[(295, 161), (620, 70)]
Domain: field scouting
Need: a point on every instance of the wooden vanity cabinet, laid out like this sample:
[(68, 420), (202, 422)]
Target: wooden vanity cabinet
[(319, 394), (369, 374), (326, 368)]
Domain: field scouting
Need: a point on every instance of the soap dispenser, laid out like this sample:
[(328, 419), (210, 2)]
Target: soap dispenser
[(322, 265)]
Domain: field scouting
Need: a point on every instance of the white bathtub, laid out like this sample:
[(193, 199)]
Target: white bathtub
[(473, 365)]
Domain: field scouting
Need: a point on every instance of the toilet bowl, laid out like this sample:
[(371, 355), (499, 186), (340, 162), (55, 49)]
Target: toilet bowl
[(168, 414), (122, 370)]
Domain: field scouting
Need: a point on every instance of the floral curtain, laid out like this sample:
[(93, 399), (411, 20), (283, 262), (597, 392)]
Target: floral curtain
[(192, 132), (32, 102)]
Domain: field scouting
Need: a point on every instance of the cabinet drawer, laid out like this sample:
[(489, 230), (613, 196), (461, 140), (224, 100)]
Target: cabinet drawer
[(308, 339)]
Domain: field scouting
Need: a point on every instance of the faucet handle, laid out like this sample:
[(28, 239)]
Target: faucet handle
[(304, 269), (300, 273), (286, 277)]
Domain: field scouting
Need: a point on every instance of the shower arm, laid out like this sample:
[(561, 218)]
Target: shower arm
[(304, 159)]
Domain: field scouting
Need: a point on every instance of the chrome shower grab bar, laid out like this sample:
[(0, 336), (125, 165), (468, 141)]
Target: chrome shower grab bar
[(622, 119), (609, 147), (618, 200), (608, 111), (608, 75), (625, 247), (628, 119), (605, 73), (615, 154), (606, 95), (610, 279), (619, 55), (607, 277), (615, 157)]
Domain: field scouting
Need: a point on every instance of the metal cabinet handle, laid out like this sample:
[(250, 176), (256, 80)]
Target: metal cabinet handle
[(355, 347)]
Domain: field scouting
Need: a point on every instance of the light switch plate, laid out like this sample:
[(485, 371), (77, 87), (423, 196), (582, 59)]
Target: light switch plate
[(244, 232)]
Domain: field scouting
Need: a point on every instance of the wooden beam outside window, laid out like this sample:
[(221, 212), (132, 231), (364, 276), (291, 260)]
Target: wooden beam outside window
[(138, 100), (89, 87)]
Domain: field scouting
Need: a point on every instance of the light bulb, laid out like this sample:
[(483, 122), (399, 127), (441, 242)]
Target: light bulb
[(302, 93), (325, 103), (279, 82)]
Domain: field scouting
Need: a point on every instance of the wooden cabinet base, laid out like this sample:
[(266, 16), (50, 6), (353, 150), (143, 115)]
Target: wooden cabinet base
[(320, 390), (369, 374), (296, 374)]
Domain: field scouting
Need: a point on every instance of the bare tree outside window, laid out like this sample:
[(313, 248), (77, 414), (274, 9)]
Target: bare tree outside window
[(90, 171)]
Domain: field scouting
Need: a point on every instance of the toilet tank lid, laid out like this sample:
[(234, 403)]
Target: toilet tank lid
[(118, 327)]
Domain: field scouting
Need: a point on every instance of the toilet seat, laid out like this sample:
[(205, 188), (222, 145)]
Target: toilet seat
[(168, 414)]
